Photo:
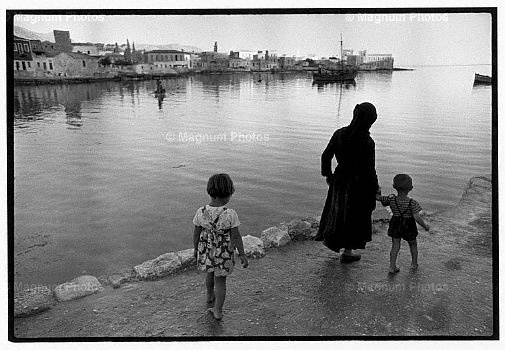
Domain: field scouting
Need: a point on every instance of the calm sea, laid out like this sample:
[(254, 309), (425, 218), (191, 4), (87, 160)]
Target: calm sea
[(108, 175)]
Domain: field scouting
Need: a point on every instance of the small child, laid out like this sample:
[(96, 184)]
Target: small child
[(215, 238), (403, 223)]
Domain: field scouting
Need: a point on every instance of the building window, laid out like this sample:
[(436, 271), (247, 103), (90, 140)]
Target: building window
[(29, 64), (20, 46), (27, 48), (17, 65), (45, 65), (83, 63), (38, 64), (15, 47), (51, 65), (23, 64)]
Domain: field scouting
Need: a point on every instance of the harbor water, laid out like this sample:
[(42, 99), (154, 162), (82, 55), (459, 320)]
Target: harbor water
[(108, 175)]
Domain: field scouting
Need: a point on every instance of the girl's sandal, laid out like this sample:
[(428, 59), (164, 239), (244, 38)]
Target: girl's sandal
[(211, 303)]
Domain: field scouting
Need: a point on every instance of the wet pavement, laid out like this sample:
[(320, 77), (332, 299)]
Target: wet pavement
[(303, 289)]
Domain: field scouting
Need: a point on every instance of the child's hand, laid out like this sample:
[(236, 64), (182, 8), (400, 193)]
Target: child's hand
[(244, 261)]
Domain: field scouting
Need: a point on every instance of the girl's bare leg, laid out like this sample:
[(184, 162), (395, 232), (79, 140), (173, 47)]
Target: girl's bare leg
[(217, 310), (209, 283)]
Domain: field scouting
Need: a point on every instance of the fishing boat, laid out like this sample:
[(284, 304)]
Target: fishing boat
[(336, 73), (482, 79)]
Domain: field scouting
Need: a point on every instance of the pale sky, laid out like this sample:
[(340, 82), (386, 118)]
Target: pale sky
[(412, 39)]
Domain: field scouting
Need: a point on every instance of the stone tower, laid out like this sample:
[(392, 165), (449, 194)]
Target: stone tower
[(215, 46), (62, 40)]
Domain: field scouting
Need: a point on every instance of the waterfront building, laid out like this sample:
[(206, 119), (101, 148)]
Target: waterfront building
[(286, 62), (213, 61), (240, 64), (85, 48), (168, 58), (246, 54), (379, 61), (73, 64), (23, 58)]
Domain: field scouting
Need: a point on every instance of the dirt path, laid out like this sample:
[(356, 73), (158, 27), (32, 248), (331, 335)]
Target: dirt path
[(300, 290)]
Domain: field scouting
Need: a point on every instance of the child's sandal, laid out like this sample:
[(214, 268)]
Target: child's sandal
[(393, 271)]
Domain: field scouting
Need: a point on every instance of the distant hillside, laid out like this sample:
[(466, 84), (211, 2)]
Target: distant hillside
[(176, 46), (30, 35)]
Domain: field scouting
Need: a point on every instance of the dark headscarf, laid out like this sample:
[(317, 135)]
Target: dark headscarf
[(356, 135), (365, 115)]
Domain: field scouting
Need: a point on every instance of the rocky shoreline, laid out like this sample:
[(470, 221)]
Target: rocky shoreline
[(38, 299), (452, 294)]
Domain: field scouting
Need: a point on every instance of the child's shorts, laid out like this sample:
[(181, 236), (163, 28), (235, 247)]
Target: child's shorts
[(400, 227)]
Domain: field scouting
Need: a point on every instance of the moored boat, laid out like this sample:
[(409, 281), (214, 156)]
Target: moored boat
[(335, 73), (482, 79)]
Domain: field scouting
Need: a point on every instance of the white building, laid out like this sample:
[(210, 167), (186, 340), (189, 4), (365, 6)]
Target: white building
[(86, 48)]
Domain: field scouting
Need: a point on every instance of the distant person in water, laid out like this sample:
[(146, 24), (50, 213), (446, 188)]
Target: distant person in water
[(216, 236), (403, 222), (346, 221)]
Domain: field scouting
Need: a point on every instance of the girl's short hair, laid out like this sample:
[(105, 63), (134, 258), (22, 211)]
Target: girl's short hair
[(402, 182), (220, 186)]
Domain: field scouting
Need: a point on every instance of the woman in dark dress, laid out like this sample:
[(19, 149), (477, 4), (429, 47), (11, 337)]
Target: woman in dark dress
[(346, 221)]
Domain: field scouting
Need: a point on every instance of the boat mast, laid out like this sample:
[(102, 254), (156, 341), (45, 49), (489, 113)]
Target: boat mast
[(341, 53)]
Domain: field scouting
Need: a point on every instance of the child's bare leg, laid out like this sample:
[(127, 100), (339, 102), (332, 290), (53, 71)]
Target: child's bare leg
[(220, 296), (209, 283), (413, 252), (393, 255)]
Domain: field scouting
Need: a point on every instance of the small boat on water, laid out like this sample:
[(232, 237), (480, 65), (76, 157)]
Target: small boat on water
[(482, 79), (336, 73)]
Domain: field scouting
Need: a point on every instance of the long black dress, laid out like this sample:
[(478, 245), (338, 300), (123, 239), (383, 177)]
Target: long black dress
[(346, 221)]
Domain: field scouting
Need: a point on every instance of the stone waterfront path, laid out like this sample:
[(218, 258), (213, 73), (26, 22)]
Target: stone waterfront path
[(303, 289)]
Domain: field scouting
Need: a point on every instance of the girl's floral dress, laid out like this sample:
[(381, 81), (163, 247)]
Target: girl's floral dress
[(215, 249)]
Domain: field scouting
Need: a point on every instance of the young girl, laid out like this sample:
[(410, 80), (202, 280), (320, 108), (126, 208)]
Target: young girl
[(403, 223), (215, 238)]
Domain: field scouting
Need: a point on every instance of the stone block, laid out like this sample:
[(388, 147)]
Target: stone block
[(275, 237), (253, 246), (77, 288), (121, 277), (299, 230), (313, 221), (159, 267), (186, 257)]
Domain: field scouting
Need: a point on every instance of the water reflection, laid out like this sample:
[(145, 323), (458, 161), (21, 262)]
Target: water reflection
[(160, 100), (33, 103), (323, 86)]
